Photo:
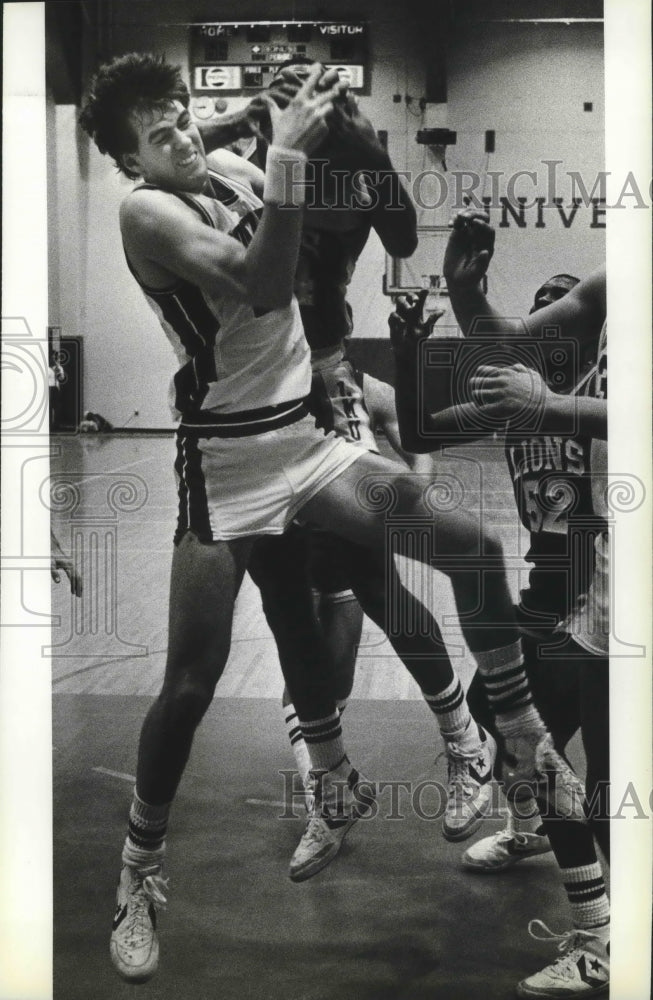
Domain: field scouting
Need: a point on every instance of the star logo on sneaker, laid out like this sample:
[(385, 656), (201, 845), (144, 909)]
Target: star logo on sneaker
[(119, 916), (480, 775), (591, 972)]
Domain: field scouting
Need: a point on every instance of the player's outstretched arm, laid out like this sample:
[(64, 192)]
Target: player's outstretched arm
[(579, 314), (390, 206), (519, 394), (466, 260)]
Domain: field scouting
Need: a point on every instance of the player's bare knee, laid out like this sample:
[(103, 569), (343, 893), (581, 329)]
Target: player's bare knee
[(409, 497)]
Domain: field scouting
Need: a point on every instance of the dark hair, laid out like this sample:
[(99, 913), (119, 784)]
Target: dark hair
[(565, 277), (137, 81)]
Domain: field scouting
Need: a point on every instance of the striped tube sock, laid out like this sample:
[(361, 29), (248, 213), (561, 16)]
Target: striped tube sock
[(508, 690), (145, 841), (452, 712), (324, 742), (585, 888), (299, 748)]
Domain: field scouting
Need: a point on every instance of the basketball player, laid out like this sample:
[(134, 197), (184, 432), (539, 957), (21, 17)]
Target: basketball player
[(552, 480), (340, 615), (217, 264), (508, 393), (337, 222)]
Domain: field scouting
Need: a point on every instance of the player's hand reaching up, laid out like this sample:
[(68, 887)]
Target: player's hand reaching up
[(291, 80), (469, 249), (301, 124), (354, 139), (407, 325)]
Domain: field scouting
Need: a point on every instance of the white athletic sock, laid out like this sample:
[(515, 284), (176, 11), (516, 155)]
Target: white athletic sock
[(297, 742), (585, 888), (508, 690), (324, 742), (145, 841), (454, 718)]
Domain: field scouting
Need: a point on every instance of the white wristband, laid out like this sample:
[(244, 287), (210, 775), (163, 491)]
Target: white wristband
[(285, 176)]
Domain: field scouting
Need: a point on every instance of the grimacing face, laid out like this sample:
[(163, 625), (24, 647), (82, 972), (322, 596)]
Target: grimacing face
[(169, 149)]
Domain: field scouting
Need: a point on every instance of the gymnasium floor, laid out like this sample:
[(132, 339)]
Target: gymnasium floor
[(394, 917)]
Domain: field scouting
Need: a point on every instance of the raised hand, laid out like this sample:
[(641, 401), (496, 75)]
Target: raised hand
[(407, 324), (469, 249), (291, 79), (354, 136), (301, 124)]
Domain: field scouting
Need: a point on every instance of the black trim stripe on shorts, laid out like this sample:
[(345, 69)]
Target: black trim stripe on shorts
[(193, 510), (244, 423)]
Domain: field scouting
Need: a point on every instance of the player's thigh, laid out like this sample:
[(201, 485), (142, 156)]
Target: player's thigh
[(281, 562), (363, 500), (204, 583)]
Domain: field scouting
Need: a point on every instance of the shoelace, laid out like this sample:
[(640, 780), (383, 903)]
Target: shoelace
[(315, 829), (570, 943), (154, 887), (504, 836), (458, 777), (145, 889)]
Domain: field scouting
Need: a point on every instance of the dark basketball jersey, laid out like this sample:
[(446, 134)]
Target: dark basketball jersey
[(337, 399), (326, 264), (552, 481)]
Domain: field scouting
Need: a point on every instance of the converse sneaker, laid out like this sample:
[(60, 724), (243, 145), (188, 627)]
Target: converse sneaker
[(134, 945), (469, 780), (519, 765), (532, 761), (583, 968), (337, 804), (504, 849), (558, 784)]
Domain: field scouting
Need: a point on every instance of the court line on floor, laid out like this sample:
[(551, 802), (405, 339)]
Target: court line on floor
[(265, 802), (102, 663), (114, 774), (130, 465)]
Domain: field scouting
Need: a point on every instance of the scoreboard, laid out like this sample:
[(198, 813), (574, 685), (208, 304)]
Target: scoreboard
[(239, 58)]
